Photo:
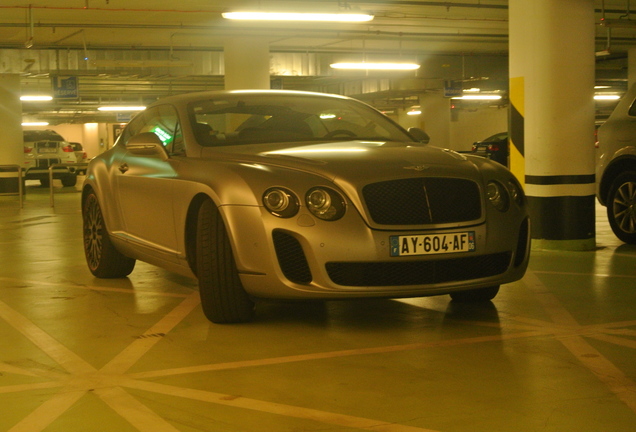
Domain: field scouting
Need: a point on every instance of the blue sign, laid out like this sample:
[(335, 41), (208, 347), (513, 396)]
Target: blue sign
[(452, 88), (64, 87)]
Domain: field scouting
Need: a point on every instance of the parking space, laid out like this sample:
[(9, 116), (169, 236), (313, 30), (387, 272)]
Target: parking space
[(552, 352)]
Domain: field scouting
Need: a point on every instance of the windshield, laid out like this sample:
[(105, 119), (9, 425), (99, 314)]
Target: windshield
[(252, 118)]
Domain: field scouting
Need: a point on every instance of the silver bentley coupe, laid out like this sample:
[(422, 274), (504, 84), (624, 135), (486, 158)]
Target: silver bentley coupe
[(297, 195)]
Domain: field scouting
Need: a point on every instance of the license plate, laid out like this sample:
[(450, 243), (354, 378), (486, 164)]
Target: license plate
[(430, 244), (47, 150)]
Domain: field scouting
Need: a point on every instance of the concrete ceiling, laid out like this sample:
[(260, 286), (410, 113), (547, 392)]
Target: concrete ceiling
[(136, 51)]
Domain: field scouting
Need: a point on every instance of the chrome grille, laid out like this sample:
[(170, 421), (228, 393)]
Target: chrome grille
[(423, 201)]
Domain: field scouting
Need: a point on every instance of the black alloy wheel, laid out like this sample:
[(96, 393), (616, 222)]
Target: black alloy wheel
[(103, 260), (621, 207)]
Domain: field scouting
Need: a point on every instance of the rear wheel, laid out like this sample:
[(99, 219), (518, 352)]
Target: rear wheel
[(222, 295), (475, 295), (621, 207), (69, 180), (103, 260)]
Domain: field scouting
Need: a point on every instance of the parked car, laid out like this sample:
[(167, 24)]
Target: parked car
[(81, 156), (44, 148), (494, 147), (295, 195), (616, 167)]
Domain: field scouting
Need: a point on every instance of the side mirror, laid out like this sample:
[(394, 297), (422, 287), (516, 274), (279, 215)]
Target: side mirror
[(147, 144), (419, 135)]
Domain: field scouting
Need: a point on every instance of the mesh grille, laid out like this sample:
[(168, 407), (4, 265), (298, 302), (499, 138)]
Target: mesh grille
[(399, 273), (291, 258), (422, 201)]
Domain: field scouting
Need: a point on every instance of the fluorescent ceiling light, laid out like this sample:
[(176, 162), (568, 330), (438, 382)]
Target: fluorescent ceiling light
[(376, 66), (36, 98), (294, 16), (121, 108), (478, 97), (414, 112), (35, 123), (606, 97)]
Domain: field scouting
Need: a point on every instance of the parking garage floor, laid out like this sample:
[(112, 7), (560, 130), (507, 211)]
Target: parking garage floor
[(555, 351)]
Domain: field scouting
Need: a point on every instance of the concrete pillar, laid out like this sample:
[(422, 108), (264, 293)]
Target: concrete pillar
[(436, 118), (11, 140), (246, 63), (552, 118)]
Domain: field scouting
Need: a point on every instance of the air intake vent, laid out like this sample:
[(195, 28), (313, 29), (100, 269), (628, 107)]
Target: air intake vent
[(291, 258), (399, 273)]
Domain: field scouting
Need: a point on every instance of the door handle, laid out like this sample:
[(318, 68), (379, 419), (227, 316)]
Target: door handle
[(123, 167)]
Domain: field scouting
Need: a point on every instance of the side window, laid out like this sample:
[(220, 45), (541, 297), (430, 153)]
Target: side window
[(632, 110), (131, 129), (161, 120)]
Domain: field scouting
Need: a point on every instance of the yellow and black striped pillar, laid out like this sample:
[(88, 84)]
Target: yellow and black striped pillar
[(552, 118)]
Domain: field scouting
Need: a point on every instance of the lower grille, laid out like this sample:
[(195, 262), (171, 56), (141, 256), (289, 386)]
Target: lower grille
[(399, 273), (45, 163), (291, 258), (522, 244)]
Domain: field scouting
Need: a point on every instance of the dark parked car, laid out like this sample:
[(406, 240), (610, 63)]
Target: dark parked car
[(616, 167), (294, 195), (494, 147)]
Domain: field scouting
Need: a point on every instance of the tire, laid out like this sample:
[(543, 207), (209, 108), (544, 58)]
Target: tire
[(223, 298), (621, 207), (103, 260), (69, 180), (475, 295)]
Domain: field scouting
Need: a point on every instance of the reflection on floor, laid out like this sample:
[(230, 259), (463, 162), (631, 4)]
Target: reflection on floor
[(553, 352)]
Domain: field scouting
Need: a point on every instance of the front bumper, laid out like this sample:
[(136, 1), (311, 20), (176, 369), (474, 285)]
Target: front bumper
[(308, 258)]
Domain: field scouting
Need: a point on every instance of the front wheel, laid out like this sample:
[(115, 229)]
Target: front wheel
[(223, 298), (103, 260), (475, 295), (621, 207)]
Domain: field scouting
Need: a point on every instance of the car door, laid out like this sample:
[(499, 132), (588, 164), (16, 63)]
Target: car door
[(145, 180)]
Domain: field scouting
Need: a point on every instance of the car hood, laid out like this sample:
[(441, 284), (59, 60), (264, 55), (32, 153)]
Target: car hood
[(361, 160)]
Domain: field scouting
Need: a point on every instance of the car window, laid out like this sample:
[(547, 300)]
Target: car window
[(632, 109), (162, 120), (236, 119)]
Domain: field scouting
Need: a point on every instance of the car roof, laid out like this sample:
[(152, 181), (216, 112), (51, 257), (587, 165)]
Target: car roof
[(188, 97), (41, 135)]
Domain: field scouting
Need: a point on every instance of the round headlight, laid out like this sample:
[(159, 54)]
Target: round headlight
[(280, 202), (326, 204), (497, 195), (318, 201), (515, 192)]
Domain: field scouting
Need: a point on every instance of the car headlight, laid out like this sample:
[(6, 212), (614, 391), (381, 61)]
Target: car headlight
[(281, 202), (515, 192), (497, 195), (326, 204)]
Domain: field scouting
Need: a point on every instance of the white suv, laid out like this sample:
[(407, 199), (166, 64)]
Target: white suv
[(43, 149), (616, 167)]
